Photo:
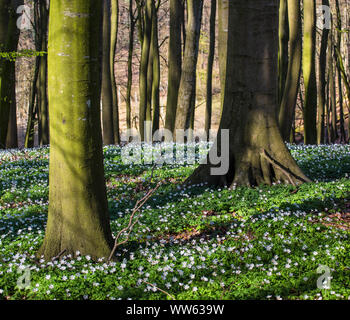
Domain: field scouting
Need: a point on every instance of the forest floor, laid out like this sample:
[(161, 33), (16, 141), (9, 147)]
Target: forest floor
[(194, 242)]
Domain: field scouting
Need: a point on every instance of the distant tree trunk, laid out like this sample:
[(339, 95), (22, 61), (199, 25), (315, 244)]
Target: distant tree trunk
[(43, 114), (78, 216), (145, 53), (175, 62), (309, 72), (130, 55), (106, 90), (332, 91), (222, 43), (188, 77), (283, 49), (9, 35), (340, 84), (209, 102), (257, 153), (113, 48), (322, 84), (29, 137), (287, 107), (156, 69)]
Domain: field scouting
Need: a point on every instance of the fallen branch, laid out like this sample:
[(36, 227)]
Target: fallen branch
[(168, 294), (132, 221)]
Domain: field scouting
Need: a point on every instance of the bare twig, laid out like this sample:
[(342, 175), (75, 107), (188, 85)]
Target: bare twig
[(59, 255), (132, 221), (168, 294)]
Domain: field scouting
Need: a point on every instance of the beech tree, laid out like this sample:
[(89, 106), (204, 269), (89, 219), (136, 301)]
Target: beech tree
[(187, 89), (78, 216), (257, 153)]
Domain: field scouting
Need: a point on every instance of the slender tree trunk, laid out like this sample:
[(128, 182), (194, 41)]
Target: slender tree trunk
[(322, 84), (188, 77), (257, 153), (113, 48), (78, 216), (29, 137), (9, 35), (283, 48), (209, 102), (130, 55), (309, 72), (287, 107), (106, 90), (223, 11), (145, 53), (43, 115), (155, 70), (175, 62), (339, 76)]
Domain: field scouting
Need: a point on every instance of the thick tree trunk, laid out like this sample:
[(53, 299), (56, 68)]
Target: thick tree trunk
[(188, 77), (78, 216), (175, 62), (309, 72), (287, 107), (257, 153), (106, 90)]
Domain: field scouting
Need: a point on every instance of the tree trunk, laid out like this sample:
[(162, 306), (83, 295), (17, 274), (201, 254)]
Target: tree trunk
[(322, 84), (174, 64), (78, 216), (282, 48), (309, 72), (188, 77), (155, 70), (9, 35), (209, 101), (130, 55), (287, 107), (106, 90), (257, 153), (145, 52), (43, 116), (113, 47)]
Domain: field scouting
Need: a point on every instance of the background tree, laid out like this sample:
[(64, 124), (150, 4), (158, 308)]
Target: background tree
[(257, 153), (187, 89), (289, 98), (309, 72), (174, 62)]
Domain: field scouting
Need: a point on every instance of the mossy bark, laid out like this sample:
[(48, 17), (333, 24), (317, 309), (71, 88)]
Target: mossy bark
[(289, 98), (78, 216), (257, 153)]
